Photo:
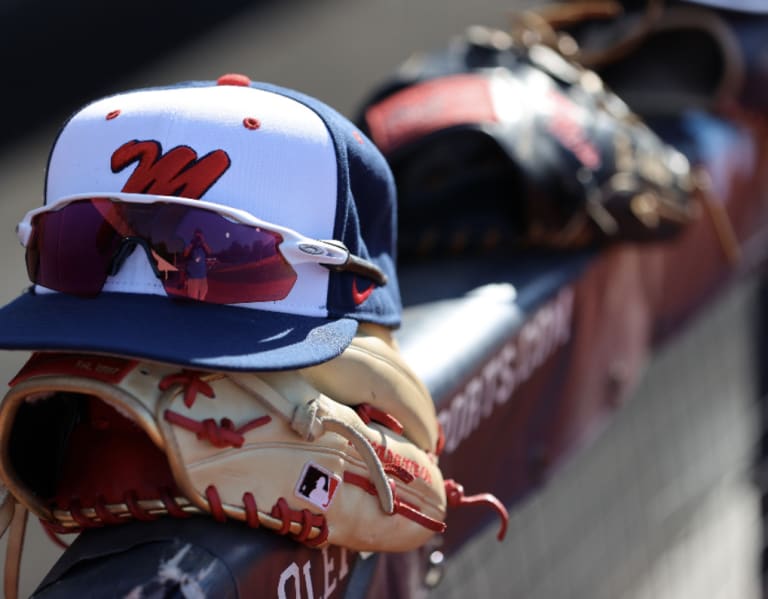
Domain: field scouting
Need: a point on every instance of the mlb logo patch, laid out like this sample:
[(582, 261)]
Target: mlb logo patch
[(317, 485)]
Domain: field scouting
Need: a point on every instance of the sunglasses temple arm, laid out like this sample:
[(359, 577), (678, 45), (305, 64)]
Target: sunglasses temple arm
[(361, 267)]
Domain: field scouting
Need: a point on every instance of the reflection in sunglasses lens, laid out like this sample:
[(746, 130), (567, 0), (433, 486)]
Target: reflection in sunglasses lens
[(197, 253)]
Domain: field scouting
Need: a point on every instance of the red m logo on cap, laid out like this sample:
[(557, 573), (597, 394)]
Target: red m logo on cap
[(178, 172)]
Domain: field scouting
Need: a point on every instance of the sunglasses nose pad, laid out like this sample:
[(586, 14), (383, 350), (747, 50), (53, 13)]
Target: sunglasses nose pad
[(121, 255), (127, 247)]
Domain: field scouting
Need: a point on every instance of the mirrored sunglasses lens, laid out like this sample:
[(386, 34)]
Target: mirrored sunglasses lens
[(197, 253), (71, 249), (225, 262)]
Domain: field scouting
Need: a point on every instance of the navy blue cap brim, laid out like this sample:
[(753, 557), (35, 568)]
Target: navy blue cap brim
[(194, 335)]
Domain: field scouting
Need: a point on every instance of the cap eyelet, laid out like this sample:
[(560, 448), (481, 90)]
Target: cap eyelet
[(252, 123)]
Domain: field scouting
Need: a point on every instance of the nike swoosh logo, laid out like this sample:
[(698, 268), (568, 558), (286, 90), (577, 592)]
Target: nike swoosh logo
[(360, 296)]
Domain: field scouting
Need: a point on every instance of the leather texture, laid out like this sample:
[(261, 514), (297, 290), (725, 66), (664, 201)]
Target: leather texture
[(241, 446), (500, 142)]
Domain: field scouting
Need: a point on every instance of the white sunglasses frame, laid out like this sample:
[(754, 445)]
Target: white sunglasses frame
[(295, 247)]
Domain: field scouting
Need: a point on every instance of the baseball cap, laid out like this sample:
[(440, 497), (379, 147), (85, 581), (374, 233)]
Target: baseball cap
[(279, 155)]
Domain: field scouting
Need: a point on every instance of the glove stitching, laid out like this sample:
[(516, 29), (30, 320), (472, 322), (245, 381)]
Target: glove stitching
[(401, 507), (192, 383), (219, 435), (280, 511)]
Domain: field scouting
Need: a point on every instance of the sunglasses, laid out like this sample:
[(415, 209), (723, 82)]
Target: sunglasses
[(199, 250)]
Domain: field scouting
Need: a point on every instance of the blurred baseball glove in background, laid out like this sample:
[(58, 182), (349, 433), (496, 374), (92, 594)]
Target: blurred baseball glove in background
[(497, 142), (663, 56)]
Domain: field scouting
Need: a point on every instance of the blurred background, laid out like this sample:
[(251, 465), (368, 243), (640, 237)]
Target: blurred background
[(682, 520)]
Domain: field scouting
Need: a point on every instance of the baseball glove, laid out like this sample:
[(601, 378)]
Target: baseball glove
[(343, 453), (663, 57), (497, 143)]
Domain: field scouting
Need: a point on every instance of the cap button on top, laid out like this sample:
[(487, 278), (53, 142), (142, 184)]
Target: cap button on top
[(233, 79)]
